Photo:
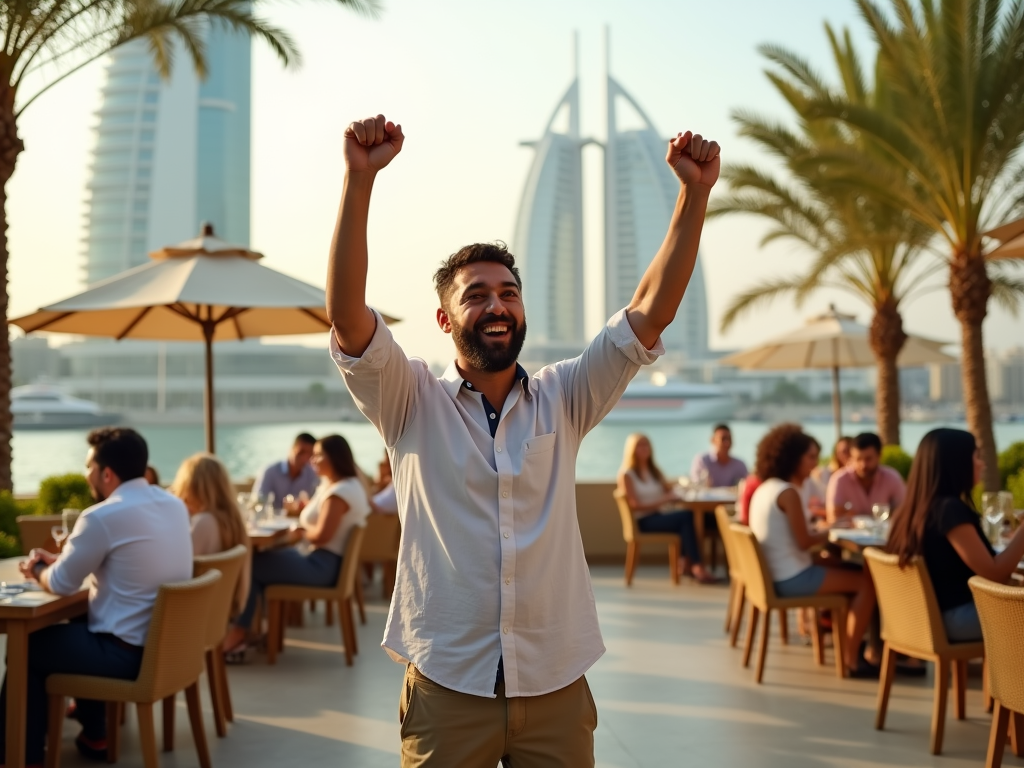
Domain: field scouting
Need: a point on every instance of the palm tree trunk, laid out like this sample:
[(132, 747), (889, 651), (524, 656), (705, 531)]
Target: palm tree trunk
[(970, 288), (887, 338), (10, 147)]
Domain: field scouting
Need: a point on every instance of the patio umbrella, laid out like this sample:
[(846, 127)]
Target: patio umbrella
[(834, 341), (1011, 241), (200, 290)]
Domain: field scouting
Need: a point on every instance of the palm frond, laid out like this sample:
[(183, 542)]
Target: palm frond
[(762, 294)]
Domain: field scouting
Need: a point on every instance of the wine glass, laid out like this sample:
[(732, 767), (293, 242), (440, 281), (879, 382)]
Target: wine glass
[(59, 533), (993, 513)]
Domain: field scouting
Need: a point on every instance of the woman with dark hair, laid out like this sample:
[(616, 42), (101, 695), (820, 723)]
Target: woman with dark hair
[(338, 506), (938, 521), (786, 456)]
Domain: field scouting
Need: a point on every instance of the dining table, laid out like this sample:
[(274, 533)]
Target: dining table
[(25, 608), (703, 502), (268, 534)]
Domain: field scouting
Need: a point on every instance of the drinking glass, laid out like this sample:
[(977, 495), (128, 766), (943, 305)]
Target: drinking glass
[(69, 517), (243, 499), (993, 514), (880, 512), (59, 533)]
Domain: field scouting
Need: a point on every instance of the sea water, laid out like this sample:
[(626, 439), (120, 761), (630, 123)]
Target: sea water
[(245, 449)]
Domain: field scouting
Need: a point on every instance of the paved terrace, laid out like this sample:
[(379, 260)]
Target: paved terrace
[(669, 691)]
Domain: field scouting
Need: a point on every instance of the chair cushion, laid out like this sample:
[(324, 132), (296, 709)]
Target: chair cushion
[(104, 689)]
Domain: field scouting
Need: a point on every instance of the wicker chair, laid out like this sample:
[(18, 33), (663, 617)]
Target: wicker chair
[(380, 545), (737, 591), (230, 564), (342, 593), (760, 591), (1001, 610), (635, 538), (172, 661), (912, 625)]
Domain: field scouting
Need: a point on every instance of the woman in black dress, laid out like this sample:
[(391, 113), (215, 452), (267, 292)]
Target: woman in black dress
[(939, 522)]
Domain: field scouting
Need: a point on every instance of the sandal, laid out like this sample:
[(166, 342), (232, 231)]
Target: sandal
[(237, 654)]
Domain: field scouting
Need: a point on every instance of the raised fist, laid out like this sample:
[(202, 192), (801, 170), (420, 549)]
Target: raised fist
[(372, 143), (694, 159)]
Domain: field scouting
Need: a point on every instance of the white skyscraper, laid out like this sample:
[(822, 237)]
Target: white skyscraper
[(640, 192), (549, 238), (168, 155)]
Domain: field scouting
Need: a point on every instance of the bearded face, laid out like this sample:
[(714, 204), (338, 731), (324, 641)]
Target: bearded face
[(492, 344)]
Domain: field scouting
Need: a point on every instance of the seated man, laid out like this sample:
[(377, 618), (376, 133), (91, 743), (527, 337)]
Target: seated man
[(716, 468), (135, 539), (384, 499), (863, 483), (291, 477)]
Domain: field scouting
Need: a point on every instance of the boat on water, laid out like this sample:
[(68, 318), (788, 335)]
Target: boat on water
[(662, 401), (37, 406)]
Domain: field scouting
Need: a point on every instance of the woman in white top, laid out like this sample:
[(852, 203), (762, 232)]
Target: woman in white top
[(656, 508), (786, 456), (338, 506), (203, 484)]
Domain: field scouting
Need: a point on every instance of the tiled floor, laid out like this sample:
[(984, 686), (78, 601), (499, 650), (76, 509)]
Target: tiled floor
[(670, 692)]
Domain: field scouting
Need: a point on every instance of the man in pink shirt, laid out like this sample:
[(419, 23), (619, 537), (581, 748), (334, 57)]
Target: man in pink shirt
[(864, 482)]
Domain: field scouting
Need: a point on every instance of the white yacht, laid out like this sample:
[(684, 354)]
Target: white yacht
[(661, 400), (37, 406)]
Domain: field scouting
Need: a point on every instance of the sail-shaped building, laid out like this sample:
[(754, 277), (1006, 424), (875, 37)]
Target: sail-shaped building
[(169, 155), (548, 239), (640, 192)]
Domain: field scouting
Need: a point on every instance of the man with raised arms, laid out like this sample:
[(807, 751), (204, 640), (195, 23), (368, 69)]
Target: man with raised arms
[(493, 611)]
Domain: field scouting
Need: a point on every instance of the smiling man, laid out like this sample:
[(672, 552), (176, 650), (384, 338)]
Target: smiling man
[(493, 611)]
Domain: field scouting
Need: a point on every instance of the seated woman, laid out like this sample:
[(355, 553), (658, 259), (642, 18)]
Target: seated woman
[(938, 521), (840, 458), (785, 458), (203, 484), (338, 506), (655, 507)]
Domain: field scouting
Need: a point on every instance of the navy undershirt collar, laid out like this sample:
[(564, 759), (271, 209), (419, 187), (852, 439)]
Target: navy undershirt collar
[(492, 413)]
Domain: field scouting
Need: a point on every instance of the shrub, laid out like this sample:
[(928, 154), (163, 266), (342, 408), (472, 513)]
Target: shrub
[(60, 492), (9, 546), (1011, 462), (895, 457), (10, 536), (1015, 485)]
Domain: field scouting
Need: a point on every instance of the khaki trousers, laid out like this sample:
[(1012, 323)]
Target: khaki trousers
[(442, 728)]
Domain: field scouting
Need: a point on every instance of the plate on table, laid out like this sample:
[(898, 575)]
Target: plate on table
[(860, 536)]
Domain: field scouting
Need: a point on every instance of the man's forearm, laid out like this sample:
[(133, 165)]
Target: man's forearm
[(353, 322), (662, 287)]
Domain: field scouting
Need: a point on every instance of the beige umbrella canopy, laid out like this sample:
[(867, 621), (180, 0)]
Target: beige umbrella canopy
[(200, 290), (834, 341), (1011, 241)]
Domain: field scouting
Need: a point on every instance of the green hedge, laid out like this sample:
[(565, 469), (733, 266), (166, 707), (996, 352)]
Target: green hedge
[(895, 457), (1011, 462), (60, 492), (10, 537), (1015, 485)]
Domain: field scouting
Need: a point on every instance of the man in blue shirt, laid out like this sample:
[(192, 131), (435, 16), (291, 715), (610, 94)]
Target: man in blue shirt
[(291, 476)]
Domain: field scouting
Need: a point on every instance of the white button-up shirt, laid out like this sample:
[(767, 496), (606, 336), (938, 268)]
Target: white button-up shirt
[(491, 563)]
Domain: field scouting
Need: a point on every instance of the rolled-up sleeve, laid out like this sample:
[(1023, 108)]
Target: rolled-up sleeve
[(383, 382), (84, 552), (593, 382)]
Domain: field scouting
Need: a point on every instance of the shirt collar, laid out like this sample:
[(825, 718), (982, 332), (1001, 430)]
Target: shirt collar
[(452, 381)]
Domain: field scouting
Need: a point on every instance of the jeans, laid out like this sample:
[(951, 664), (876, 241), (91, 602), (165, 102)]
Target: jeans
[(962, 623), (319, 568), (680, 522), (68, 649)]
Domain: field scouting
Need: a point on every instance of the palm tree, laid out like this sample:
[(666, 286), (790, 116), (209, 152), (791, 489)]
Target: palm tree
[(46, 41), (861, 245), (952, 156)]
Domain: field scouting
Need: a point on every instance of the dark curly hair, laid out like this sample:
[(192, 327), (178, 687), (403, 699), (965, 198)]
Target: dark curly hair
[(780, 451), (444, 278)]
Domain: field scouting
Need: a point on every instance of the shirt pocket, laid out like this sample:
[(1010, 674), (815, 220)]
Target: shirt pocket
[(533, 485)]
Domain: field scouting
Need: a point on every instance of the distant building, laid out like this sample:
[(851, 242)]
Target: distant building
[(640, 192), (945, 384), (1006, 376), (168, 155), (549, 239), (33, 360)]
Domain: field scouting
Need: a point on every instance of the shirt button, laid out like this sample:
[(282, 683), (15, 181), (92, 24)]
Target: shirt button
[(504, 494), (498, 449), (468, 385), (505, 534), (494, 415), (504, 630)]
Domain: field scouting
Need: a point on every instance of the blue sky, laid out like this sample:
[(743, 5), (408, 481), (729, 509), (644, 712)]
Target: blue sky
[(468, 80)]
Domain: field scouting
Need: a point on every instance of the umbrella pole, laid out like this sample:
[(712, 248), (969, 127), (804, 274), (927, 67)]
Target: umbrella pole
[(837, 405), (208, 328)]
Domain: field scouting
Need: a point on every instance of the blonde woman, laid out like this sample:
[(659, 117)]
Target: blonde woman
[(203, 484), (656, 508)]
